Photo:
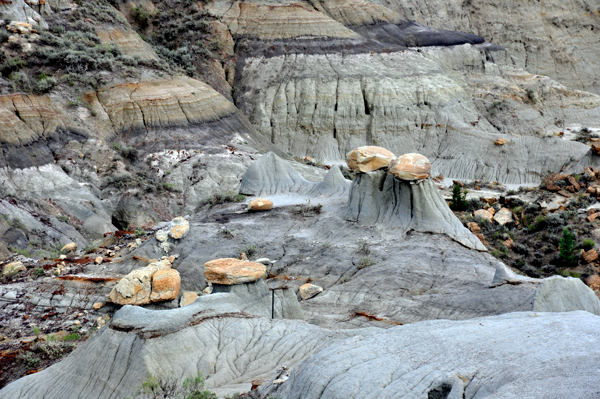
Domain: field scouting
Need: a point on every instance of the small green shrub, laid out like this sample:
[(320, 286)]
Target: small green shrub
[(459, 199), (31, 360), (365, 261), (363, 247), (567, 248), (250, 250), (170, 387), (170, 187), (228, 197), (588, 244), (38, 272), (71, 337)]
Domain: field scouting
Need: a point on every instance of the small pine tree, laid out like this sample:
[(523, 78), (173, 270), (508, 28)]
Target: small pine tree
[(459, 199), (567, 248)]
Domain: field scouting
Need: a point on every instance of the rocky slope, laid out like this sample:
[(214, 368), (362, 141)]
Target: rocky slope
[(118, 116)]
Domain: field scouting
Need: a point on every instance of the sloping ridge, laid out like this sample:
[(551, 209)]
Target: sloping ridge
[(515, 355), (271, 175)]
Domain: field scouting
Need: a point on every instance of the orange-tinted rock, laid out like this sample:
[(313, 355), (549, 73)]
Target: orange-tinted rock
[(593, 282), (260, 204), (179, 228), (500, 141), (187, 298), (592, 217), (411, 167), (229, 271), (165, 285), (474, 227), (483, 214), (481, 238), (368, 159), (590, 255), (308, 291)]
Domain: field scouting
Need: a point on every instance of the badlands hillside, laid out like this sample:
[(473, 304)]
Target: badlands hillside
[(299, 199)]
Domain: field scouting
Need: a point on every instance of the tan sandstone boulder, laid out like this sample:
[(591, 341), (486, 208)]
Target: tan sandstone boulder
[(308, 291), (260, 204), (70, 247), (593, 282), (504, 216), (590, 255), (229, 271), (187, 298), (135, 288), (411, 167), (484, 215), (368, 159), (165, 285), (13, 268)]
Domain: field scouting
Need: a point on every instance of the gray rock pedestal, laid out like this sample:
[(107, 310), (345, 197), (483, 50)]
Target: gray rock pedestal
[(379, 198)]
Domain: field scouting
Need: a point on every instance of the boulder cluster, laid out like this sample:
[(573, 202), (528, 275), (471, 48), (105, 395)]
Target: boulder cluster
[(156, 282), (408, 167)]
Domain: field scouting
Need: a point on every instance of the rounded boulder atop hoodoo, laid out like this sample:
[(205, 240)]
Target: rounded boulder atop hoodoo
[(368, 159), (411, 166), (406, 199)]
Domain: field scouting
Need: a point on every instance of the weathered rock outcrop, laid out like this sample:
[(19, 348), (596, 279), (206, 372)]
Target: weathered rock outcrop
[(559, 294), (223, 327), (272, 175), (379, 198), (507, 356)]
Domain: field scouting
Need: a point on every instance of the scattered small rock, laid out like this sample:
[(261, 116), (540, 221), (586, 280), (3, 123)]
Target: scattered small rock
[(70, 247), (483, 214), (592, 217), (10, 295), (162, 235), (500, 141), (165, 285), (98, 305), (179, 228), (308, 291), (504, 216), (260, 204), (590, 255), (593, 282), (187, 298), (481, 238), (474, 227), (13, 268), (98, 260)]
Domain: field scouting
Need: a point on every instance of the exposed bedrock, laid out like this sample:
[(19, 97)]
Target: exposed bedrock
[(272, 175), (220, 335), (509, 356), (550, 38), (325, 105), (379, 198)]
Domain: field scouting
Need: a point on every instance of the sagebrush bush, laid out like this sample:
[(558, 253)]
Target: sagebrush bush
[(588, 244)]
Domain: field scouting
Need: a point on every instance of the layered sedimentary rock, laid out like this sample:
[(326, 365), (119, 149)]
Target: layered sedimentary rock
[(550, 38), (128, 41), (326, 105)]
